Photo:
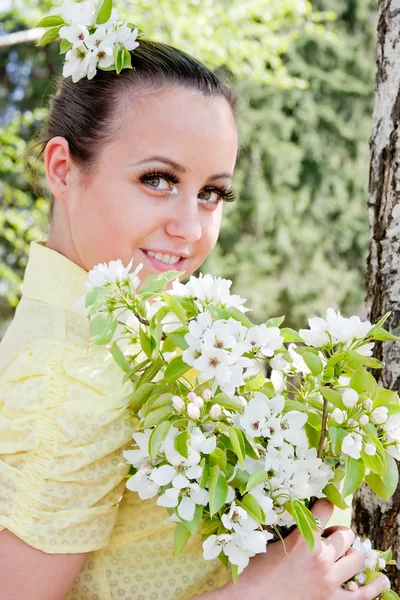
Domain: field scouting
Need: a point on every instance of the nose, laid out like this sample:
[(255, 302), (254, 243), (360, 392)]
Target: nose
[(185, 222)]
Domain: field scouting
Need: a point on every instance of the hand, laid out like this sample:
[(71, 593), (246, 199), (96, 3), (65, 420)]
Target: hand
[(302, 575)]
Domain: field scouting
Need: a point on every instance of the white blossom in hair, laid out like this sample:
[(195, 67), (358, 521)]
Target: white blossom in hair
[(92, 38)]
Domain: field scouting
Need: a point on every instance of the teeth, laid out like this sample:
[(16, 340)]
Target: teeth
[(165, 258)]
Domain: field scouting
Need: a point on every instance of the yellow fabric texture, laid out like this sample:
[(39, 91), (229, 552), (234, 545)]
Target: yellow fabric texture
[(63, 427)]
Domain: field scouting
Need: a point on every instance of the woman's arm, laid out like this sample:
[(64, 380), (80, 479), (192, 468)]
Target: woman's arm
[(29, 573)]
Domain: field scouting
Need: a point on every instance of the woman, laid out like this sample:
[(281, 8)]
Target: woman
[(139, 164)]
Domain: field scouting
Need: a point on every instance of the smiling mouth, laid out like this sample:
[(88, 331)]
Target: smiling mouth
[(164, 261)]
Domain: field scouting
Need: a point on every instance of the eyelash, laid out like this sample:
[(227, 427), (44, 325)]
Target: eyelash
[(225, 194)]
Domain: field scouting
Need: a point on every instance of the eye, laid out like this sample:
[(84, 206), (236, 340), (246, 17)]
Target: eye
[(210, 196), (159, 183), (162, 182)]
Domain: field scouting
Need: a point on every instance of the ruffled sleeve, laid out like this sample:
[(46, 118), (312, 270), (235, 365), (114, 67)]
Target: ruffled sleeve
[(63, 427)]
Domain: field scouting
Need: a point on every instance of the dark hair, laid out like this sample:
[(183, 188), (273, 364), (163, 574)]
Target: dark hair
[(85, 113)]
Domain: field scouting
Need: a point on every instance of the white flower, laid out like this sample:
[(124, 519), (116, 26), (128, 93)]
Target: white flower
[(292, 425), (76, 34), (392, 427), (238, 520), (352, 445), (394, 450), (365, 349), (137, 458), (335, 328), (213, 545), (141, 483), (350, 397), (278, 363), (379, 415), (266, 504), (207, 288), (338, 415), (102, 274), (77, 63), (364, 419), (201, 443), (176, 459), (82, 12), (185, 495), (370, 555), (367, 404), (127, 37), (265, 339)]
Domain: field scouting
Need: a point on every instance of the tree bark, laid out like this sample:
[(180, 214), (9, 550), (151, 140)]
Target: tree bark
[(373, 517)]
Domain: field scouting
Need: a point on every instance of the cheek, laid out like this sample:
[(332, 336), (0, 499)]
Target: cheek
[(210, 230)]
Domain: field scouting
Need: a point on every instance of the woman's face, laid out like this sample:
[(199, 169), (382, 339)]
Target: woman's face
[(157, 193)]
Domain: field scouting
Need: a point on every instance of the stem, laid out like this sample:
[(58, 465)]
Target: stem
[(323, 429)]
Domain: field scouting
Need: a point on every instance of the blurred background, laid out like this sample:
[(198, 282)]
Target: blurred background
[(296, 240)]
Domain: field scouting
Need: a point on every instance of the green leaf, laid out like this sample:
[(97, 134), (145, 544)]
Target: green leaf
[(103, 12), (218, 457), (102, 329), (249, 503), (119, 357), (181, 443), (218, 489), (178, 338), (376, 463), (355, 472), (334, 496), (234, 572), (140, 396), (255, 383), (384, 336), (205, 473), (249, 449), (389, 595), (181, 536), (127, 59), (313, 363), (176, 368), (237, 314), (303, 522), (385, 487), (50, 21), (157, 437), (255, 479), (175, 306), (228, 402), (156, 401), (275, 322), (155, 284), (145, 343), (49, 36), (362, 381), (333, 397), (157, 416), (336, 435), (238, 445), (290, 335), (64, 47)]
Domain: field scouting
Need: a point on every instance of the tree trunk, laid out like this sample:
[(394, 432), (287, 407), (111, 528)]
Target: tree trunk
[(373, 517)]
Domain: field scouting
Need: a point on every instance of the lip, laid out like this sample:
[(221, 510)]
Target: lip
[(161, 266)]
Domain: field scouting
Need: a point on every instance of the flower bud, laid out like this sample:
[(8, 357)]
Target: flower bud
[(364, 419), (350, 397), (206, 395), (361, 578), (352, 586), (338, 415), (379, 415), (199, 402), (342, 380), (352, 423), (215, 411), (381, 563), (193, 411), (370, 449), (242, 400), (178, 402), (192, 396), (367, 404)]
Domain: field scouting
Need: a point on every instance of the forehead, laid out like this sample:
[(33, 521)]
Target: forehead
[(187, 127)]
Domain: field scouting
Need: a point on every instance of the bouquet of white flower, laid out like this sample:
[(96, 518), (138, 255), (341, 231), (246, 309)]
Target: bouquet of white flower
[(239, 426)]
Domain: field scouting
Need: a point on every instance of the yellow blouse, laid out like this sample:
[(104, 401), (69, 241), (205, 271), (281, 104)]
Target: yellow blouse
[(63, 428)]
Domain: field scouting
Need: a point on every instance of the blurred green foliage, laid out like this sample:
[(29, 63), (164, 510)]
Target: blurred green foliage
[(296, 241)]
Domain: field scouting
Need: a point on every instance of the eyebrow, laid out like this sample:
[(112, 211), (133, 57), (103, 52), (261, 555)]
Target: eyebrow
[(178, 167)]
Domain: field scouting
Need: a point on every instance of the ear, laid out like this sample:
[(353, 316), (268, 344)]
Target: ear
[(58, 166)]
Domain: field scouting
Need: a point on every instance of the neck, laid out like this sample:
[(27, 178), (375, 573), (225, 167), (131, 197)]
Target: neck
[(60, 237)]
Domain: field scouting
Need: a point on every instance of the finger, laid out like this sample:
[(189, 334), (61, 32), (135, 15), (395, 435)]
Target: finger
[(347, 566), (323, 509), (365, 592), (338, 540)]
